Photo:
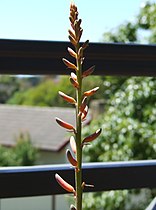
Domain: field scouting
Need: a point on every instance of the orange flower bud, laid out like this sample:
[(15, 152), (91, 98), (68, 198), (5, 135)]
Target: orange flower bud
[(70, 158), (80, 52), (92, 136), (64, 124), (88, 72), (77, 24), (72, 40), (79, 35), (85, 44), (69, 64), (74, 83), (72, 207), (84, 113), (67, 98), (73, 144), (73, 76), (91, 92), (83, 104), (64, 184), (71, 52), (73, 7), (71, 18), (71, 33)]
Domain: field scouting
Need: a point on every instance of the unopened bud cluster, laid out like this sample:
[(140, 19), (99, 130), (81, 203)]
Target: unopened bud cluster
[(76, 78)]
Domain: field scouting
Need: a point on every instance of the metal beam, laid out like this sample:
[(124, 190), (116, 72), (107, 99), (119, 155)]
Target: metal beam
[(45, 57), (40, 180)]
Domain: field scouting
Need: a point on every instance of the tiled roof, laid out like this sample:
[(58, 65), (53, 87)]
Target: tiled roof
[(39, 122)]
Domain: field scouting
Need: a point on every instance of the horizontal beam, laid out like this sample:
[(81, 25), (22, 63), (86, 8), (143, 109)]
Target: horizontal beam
[(40, 180), (44, 57)]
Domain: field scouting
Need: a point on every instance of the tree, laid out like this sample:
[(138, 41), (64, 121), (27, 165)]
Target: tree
[(46, 92), (22, 154), (130, 32), (129, 121), (128, 134), (8, 86)]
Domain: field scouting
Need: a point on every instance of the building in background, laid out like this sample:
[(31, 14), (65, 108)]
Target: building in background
[(46, 135)]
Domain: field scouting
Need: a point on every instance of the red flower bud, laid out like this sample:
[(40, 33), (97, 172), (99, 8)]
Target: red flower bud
[(80, 52), (69, 64), (65, 124), (92, 136), (91, 92), (64, 184), (73, 76), (71, 33), (72, 52), (67, 98), (72, 40), (70, 158), (72, 207), (74, 83), (84, 113), (83, 105), (73, 144), (88, 72), (85, 44)]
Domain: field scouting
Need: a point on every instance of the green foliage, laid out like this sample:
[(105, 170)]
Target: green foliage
[(124, 33), (147, 16), (46, 93), (129, 31), (22, 154), (129, 121), (128, 133), (25, 152), (8, 86)]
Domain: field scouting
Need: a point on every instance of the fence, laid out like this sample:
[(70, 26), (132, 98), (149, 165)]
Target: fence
[(43, 57)]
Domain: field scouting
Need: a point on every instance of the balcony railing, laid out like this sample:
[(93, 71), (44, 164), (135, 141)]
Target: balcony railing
[(43, 57), (40, 180)]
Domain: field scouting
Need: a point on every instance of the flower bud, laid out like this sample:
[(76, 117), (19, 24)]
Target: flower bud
[(74, 83), (73, 144), (64, 124), (70, 158), (64, 184), (71, 33), (88, 72), (80, 52), (67, 98), (72, 40), (85, 44), (84, 113), (72, 207), (69, 64), (92, 136), (83, 104), (91, 92), (71, 52), (73, 76)]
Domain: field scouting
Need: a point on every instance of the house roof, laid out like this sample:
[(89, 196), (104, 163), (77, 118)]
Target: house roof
[(39, 122)]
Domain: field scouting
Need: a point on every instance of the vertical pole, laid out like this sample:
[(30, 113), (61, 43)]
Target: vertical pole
[(53, 203)]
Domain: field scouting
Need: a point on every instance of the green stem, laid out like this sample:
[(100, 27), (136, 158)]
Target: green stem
[(78, 172)]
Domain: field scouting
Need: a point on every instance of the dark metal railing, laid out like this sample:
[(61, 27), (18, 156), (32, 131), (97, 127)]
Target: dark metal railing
[(40, 180), (44, 57)]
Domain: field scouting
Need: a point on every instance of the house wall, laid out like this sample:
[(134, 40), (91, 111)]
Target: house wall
[(49, 157)]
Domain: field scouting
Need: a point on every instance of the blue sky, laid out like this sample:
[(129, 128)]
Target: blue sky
[(48, 19)]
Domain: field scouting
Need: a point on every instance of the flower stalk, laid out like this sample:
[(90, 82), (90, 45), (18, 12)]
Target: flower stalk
[(80, 103)]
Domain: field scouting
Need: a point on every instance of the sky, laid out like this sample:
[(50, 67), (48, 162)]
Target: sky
[(48, 19)]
